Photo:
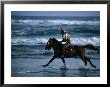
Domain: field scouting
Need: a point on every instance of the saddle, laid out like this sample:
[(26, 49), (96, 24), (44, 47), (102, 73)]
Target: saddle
[(65, 44)]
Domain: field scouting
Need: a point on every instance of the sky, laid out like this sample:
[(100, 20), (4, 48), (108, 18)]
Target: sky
[(55, 13)]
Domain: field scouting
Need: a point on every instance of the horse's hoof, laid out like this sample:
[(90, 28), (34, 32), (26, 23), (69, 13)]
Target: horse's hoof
[(94, 66), (44, 65)]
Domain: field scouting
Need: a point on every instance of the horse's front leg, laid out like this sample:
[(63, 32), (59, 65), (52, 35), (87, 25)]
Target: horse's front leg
[(63, 60), (49, 62)]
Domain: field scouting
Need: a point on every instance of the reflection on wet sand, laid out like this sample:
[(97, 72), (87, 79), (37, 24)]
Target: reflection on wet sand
[(70, 73)]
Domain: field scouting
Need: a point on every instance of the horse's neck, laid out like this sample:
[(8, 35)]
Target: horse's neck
[(57, 46)]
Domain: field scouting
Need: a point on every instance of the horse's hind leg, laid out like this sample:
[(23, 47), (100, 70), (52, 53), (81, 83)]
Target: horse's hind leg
[(82, 54), (88, 59), (49, 62), (83, 58)]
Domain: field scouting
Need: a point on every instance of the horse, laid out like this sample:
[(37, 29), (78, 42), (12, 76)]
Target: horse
[(70, 51)]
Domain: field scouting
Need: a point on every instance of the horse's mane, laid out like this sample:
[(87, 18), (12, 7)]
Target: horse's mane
[(54, 40), (59, 45)]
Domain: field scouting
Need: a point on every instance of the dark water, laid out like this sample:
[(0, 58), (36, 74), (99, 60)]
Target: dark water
[(29, 37)]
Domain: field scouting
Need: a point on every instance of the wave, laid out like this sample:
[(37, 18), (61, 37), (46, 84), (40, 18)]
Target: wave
[(47, 32), (55, 22), (38, 41), (73, 22)]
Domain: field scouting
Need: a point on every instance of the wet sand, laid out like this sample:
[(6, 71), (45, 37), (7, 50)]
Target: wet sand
[(22, 67)]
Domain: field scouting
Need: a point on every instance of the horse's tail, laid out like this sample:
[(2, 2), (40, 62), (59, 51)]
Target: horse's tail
[(92, 47)]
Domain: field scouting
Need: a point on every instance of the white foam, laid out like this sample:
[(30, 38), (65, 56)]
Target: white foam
[(28, 41), (83, 41), (56, 22), (76, 40), (30, 22), (75, 22)]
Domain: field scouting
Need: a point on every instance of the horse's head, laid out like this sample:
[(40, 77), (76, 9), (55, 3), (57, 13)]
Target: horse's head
[(51, 42)]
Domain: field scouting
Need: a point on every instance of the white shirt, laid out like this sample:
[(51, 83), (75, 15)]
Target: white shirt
[(66, 36)]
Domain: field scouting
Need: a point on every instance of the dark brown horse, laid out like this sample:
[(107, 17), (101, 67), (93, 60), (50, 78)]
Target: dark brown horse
[(70, 51)]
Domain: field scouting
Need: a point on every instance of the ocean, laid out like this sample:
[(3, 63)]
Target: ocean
[(29, 35)]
